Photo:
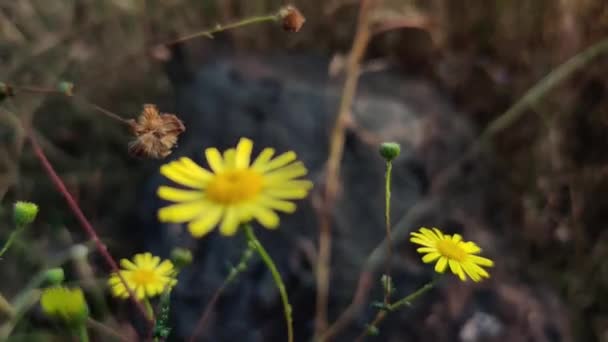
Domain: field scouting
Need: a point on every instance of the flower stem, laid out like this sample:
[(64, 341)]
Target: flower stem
[(253, 240), (219, 28), (149, 309), (389, 240), (83, 334), (11, 239), (405, 301)]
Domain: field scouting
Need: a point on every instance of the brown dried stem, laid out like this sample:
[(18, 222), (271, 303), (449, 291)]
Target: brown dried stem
[(336, 151)]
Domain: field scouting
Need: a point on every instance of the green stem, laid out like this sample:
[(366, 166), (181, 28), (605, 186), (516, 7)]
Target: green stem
[(83, 334), (253, 240), (219, 28), (405, 301), (387, 218), (149, 309), (11, 239)]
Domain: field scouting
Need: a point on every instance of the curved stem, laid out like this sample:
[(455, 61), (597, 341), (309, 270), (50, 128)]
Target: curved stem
[(253, 240)]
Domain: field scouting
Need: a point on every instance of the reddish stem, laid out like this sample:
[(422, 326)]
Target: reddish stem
[(84, 222)]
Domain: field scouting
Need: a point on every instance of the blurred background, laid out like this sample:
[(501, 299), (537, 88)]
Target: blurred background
[(435, 76)]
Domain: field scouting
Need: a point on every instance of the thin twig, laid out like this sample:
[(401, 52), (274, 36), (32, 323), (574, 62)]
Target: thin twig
[(336, 151), (47, 90), (219, 28)]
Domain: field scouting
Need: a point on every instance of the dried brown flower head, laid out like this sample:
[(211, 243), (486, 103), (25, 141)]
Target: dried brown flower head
[(156, 133), (292, 18)]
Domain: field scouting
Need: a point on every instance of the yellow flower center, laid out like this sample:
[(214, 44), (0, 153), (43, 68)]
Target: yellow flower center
[(451, 250), (143, 277), (234, 186)]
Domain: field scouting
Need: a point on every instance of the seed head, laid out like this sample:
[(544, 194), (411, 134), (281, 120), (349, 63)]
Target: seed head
[(155, 133)]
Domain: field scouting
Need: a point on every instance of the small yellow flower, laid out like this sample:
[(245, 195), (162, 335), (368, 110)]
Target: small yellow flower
[(63, 303), (146, 275), (234, 191), (451, 250)]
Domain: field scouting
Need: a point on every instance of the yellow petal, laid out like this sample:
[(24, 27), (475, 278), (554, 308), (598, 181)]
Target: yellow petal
[(214, 159), (178, 176), (470, 247), (278, 162), (441, 265), (423, 242), (182, 212), (426, 250), (456, 269), (286, 193), (178, 195), (478, 270), (127, 264), (290, 171), (438, 233), (165, 268), (429, 234), (243, 153), (284, 206), (206, 222), (230, 223), (229, 158), (195, 170), (480, 260), (471, 272), (262, 159), (456, 238), (430, 257), (266, 217), (291, 184)]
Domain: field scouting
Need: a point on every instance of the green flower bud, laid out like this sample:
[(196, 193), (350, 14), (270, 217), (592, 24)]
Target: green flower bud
[(390, 150), (67, 88), (24, 213), (181, 257), (55, 276)]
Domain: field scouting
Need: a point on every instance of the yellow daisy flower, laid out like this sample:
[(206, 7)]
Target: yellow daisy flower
[(451, 250), (64, 303), (234, 190), (146, 275)]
